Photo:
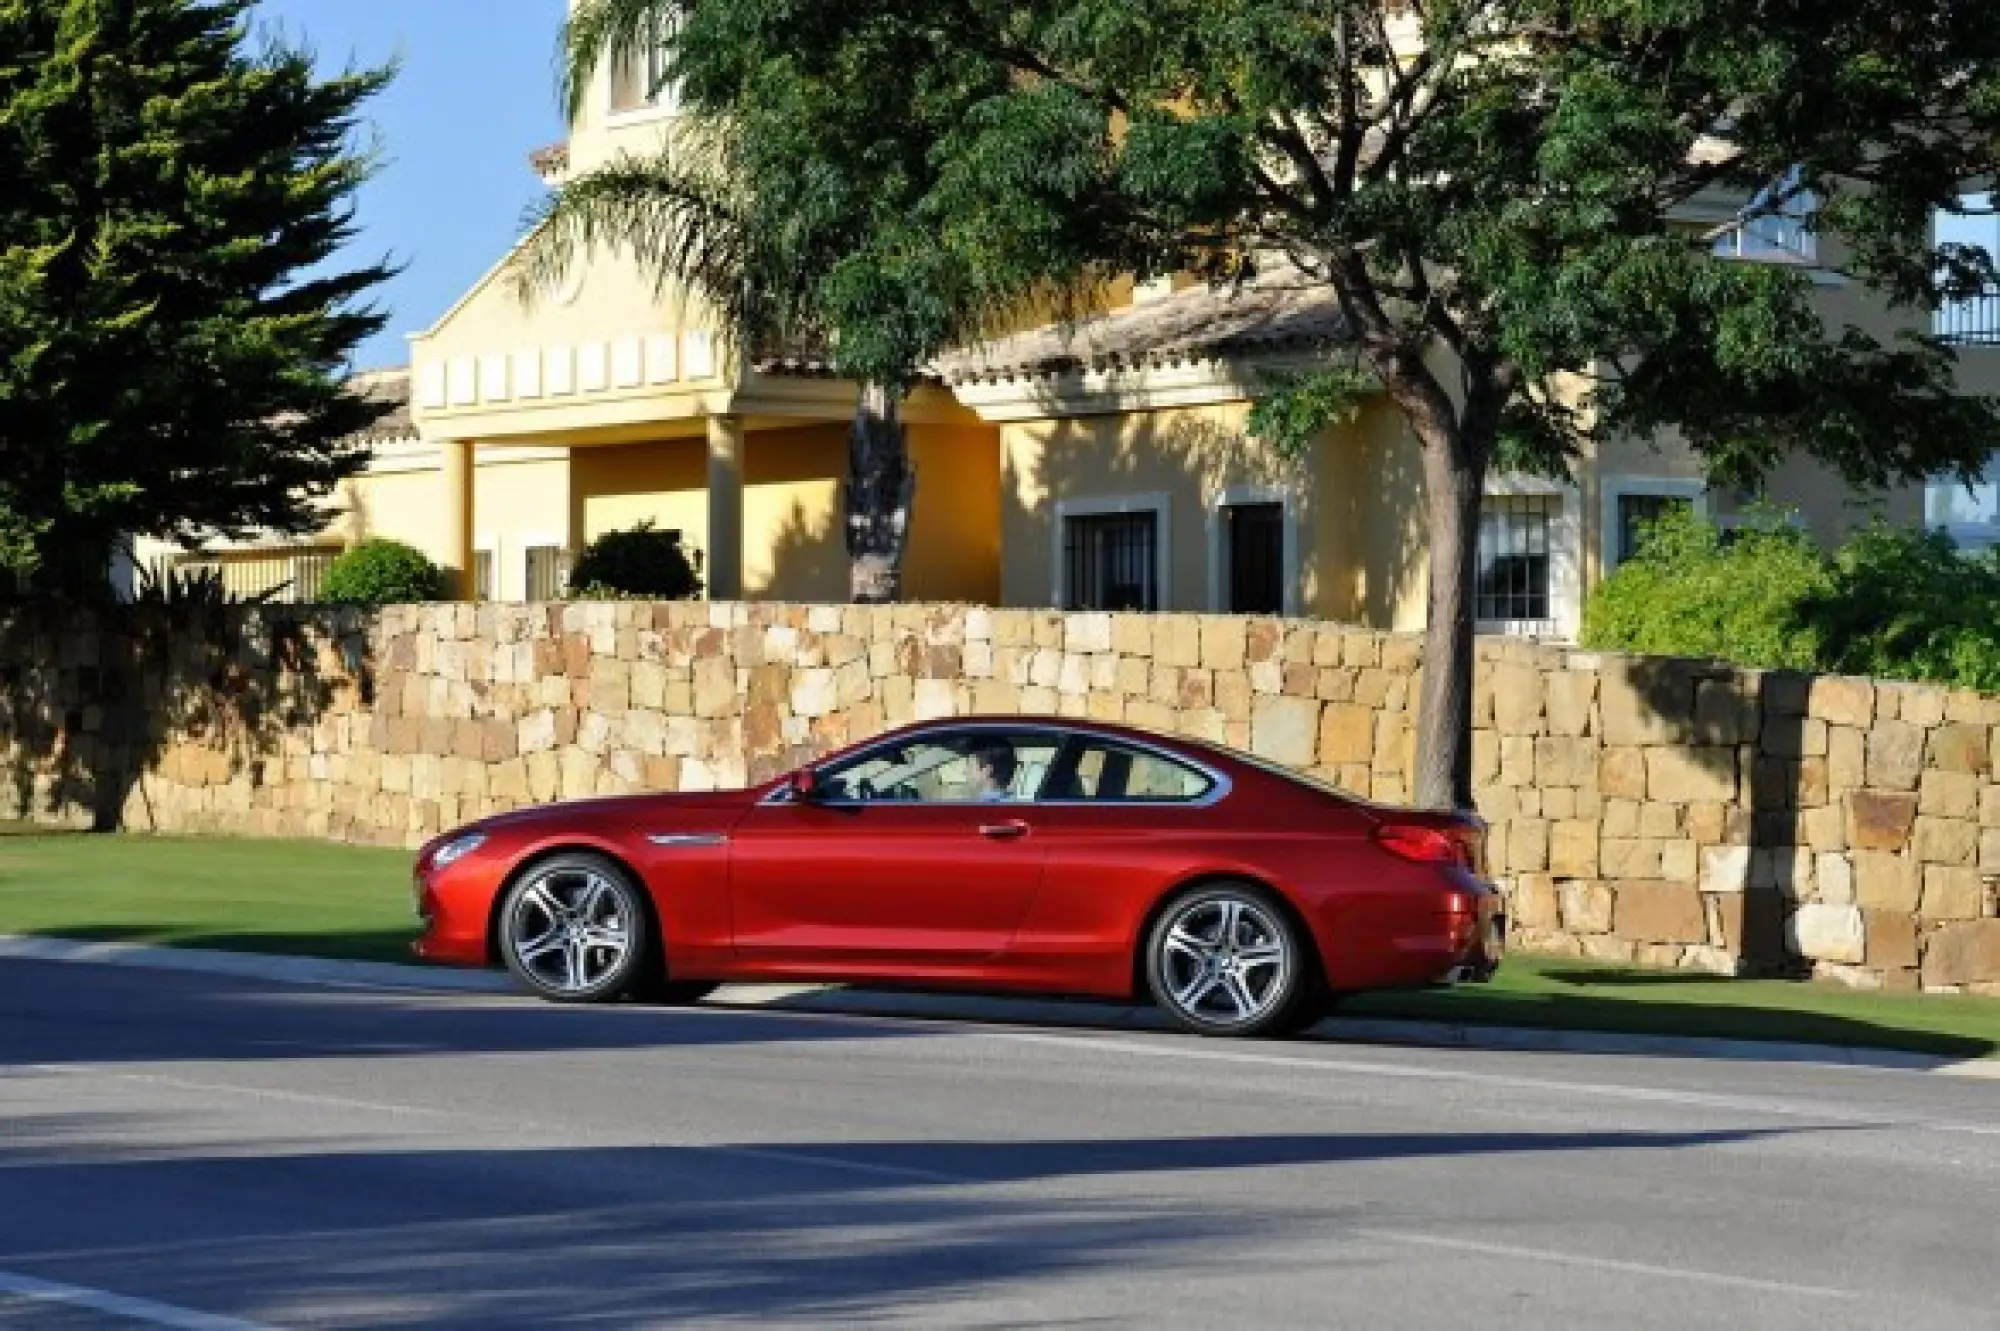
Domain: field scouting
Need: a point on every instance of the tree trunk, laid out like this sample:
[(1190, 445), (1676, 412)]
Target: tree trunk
[(1452, 484), (880, 486)]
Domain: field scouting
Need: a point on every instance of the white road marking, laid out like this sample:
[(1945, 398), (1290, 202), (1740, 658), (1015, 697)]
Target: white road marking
[(1600, 1090), (252, 1092), (120, 1305), (1605, 1264)]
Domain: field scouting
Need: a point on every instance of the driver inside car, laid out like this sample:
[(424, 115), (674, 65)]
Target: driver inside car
[(993, 773)]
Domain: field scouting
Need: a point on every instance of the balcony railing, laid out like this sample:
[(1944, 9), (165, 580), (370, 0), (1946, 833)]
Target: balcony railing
[(1971, 323)]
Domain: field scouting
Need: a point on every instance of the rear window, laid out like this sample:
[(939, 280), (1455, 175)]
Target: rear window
[(1290, 774)]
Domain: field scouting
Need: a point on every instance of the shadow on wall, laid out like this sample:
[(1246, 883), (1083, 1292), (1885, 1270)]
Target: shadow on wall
[(180, 690), (1358, 503), (808, 561), (1734, 757)]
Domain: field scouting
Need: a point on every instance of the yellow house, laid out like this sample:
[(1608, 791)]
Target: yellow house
[(1106, 465)]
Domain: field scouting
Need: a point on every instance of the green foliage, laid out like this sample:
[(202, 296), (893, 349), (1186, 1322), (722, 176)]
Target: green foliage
[(1688, 592), (1908, 605), (172, 347), (1300, 407), (1892, 603), (643, 563), (382, 572)]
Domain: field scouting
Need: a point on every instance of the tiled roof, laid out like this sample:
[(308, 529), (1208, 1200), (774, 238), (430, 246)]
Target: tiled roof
[(1199, 324), (391, 387), (550, 159)]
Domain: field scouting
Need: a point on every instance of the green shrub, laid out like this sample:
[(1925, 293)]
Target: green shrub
[(1690, 592), (644, 563), (382, 573), (1892, 603), (1909, 605)]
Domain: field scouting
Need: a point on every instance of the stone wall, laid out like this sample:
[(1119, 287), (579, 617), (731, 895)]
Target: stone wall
[(1656, 811)]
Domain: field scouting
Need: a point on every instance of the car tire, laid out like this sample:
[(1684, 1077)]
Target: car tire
[(1226, 959), (575, 928)]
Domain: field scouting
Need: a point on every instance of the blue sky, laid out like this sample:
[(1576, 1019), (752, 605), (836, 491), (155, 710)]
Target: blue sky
[(475, 96)]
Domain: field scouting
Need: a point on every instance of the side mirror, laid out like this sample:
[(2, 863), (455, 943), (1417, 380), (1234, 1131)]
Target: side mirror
[(805, 786)]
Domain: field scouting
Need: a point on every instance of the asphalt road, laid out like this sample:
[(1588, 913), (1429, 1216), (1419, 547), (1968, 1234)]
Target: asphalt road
[(195, 1152)]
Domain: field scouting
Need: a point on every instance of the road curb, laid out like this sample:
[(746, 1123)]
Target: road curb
[(390, 976)]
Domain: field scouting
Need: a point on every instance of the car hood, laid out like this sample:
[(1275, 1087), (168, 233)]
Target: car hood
[(651, 809)]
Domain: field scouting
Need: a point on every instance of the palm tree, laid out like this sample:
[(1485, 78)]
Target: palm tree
[(772, 204)]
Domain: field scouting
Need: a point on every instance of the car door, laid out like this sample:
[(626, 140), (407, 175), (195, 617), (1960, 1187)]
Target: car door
[(897, 869)]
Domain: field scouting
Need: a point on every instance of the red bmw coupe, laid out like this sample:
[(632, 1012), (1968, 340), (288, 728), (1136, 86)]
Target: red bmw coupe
[(1011, 854)]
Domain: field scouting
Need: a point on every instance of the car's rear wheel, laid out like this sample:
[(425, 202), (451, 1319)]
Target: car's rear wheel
[(573, 929), (1226, 959)]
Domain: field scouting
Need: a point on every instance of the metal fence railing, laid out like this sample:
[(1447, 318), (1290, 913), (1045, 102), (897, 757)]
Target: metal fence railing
[(293, 576), (1971, 323)]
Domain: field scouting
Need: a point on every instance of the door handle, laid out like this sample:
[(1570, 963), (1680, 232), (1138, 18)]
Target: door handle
[(1008, 831)]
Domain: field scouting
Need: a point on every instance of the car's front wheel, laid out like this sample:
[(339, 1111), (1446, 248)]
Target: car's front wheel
[(1227, 960), (573, 929)]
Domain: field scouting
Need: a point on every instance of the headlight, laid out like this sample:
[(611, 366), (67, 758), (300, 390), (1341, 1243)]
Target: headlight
[(453, 851)]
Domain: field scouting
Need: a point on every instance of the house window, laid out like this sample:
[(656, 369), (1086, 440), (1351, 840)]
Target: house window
[(1111, 561), (642, 80), (1513, 585), (1636, 513), (1253, 553), (548, 572), (1973, 320), (482, 575), (1776, 225)]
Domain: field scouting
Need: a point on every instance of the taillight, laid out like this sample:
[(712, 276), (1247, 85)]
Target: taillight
[(1430, 845)]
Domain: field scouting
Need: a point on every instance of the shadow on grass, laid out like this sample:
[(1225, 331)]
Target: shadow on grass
[(1622, 976), (1946, 1035)]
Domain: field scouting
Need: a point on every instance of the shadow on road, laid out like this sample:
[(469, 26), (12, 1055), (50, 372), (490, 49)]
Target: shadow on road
[(834, 1229)]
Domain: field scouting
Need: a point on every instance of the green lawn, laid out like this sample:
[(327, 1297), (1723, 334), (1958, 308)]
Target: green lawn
[(343, 901), (300, 897)]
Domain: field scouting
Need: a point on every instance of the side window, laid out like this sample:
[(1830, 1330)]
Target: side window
[(1100, 770), (961, 767)]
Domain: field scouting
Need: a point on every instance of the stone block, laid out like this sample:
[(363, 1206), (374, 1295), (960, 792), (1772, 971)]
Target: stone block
[(1177, 641), (1644, 702), (1568, 698), (1224, 642), (1132, 635), (1573, 850), (1878, 821), (1087, 633), (1949, 795), (1922, 704), (1286, 730), (1886, 882), (1586, 907), (1660, 912), (1528, 845), (1962, 954), (1725, 869), (1892, 939), (1895, 755), (1946, 841), (1961, 748), (1680, 861), (1533, 903), (1953, 893), (1828, 933), (1561, 761), (1842, 701), (1659, 822), (1692, 773), (1621, 774), (714, 687), (1517, 700), (1834, 874), (1517, 760)]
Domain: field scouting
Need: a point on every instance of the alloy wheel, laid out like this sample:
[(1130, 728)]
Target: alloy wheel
[(1225, 963), (571, 930)]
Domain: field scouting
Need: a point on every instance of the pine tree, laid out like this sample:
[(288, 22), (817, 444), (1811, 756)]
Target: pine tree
[(168, 368)]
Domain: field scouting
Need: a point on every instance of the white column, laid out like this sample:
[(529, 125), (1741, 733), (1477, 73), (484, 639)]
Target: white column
[(725, 508)]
